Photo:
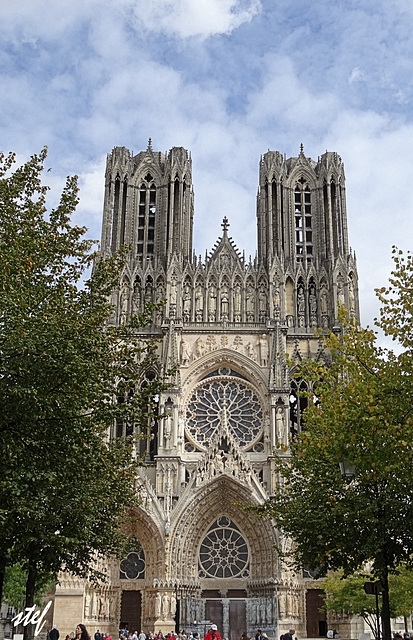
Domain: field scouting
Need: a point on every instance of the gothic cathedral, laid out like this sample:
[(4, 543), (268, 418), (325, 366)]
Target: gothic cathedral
[(229, 323)]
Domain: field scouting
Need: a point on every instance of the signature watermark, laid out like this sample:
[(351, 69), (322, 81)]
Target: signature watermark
[(32, 617)]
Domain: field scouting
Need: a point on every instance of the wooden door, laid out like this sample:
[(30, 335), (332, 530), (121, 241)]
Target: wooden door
[(130, 612), (237, 619), (316, 620)]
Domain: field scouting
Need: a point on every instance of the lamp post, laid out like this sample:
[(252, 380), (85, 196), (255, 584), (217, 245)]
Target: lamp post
[(348, 473)]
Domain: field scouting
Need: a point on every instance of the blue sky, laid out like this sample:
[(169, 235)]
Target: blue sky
[(228, 80)]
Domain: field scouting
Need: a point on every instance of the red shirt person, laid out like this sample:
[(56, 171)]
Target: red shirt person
[(213, 633)]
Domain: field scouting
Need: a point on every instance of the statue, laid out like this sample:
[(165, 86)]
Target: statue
[(185, 352), (262, 301), (280, 423), (237, 299), (250, 303), (351, 298), (199, 303), (187, 302), (124, 304), (263, 344), (300, 300), (224, 302), (323, 299), (212, 302)]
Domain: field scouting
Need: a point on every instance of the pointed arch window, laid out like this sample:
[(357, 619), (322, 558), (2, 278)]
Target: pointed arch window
[(147, 206), (298, 404), (303, 221)]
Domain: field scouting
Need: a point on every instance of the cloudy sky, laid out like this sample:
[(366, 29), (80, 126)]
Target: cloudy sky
[(228, 80)]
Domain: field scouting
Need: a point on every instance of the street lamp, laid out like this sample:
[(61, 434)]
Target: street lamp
[(348, 470)]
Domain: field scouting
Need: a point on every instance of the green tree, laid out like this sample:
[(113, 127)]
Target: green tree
[(14, 592), (364, 416), (347, 595), (65, 485)]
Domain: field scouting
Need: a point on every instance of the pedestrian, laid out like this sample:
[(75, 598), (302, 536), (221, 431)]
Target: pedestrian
[(81, 632), (54, 633), (258, 635), (289, 635), (97, 635), (213, 633)]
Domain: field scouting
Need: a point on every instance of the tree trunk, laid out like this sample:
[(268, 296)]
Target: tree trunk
[(30, 590), (385, 609), (1, 584)]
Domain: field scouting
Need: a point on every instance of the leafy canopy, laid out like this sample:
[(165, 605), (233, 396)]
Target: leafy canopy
[(347, 595), (64, 484), (363, 415)]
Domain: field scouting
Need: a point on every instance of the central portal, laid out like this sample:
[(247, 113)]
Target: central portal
[(229, 616)]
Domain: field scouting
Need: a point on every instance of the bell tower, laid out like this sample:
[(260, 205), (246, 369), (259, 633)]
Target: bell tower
[(302, 234), (149, 204)]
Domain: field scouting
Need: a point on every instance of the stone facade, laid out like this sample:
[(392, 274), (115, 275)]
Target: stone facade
[(229, 322)]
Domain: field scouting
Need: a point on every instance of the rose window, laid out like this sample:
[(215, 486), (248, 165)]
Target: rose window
[(132, 566), (223, 552), (226, 401)]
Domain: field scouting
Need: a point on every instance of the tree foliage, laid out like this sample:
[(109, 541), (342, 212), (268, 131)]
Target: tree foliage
[(347, 595), (64, 483), (363, 414)]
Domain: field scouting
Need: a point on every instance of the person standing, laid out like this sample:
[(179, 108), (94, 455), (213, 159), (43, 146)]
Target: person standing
[(213, 633), (54, 633), (289, 635)]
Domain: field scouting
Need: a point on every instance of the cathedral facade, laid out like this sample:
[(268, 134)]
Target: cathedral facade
[(229, 323)]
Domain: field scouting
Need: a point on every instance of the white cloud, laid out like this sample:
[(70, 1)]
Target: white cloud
[(356, 75), (186, 18)]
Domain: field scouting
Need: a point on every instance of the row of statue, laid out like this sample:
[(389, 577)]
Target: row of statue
[(261, 611), (101, 606), (211, 303)]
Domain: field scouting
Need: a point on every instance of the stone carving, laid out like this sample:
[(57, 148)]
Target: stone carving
[(185, 352), (158, 604), (237, 302), (87, 605), (351, 298), (199, 303), (300, 306), (211, 342), (199, 348), (280, 424), (187, 303), (262, 300), (124, 304), (160, 297), (249, 350), (173, 605), (136, 298), (323, 299), (276, 300), (250, 303), (148, 290), (224, 302), (263, 346), (312, 304), (165, 606), (212, 303), (340, 293), (173, 296)]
